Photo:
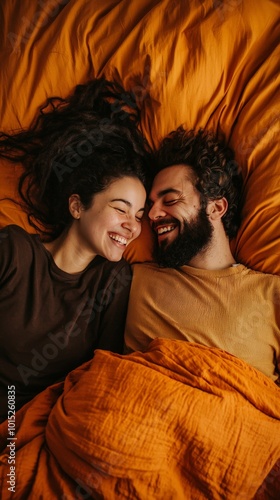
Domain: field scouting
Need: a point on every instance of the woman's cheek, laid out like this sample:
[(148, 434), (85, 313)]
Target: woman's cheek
[(138, 231)]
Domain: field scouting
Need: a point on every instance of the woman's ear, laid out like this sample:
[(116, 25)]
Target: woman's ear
[(217, 208), (75, 206)]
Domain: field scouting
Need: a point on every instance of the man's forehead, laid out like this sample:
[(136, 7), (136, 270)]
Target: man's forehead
[(172, 178)]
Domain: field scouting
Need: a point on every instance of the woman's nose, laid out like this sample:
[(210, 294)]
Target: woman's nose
[(132, 225)]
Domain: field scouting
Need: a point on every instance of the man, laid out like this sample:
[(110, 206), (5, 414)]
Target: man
[(197, 291)]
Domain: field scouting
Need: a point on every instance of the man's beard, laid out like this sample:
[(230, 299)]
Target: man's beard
[(194, 238)]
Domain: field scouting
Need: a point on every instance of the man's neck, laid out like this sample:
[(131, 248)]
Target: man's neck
[(216, 256)]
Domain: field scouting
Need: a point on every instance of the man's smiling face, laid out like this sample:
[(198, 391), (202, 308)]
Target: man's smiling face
[(173, 200), (182, 226)]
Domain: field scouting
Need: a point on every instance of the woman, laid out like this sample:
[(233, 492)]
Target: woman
[(64, 291)]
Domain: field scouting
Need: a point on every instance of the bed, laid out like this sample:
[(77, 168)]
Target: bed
[(181, 420)]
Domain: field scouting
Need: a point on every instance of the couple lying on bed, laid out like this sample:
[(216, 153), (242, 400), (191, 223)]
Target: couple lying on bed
[(65, 293)]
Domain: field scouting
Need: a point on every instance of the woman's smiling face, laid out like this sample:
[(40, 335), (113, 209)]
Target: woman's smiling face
[(113, 220)]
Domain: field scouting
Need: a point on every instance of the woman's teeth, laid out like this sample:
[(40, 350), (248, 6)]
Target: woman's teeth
[(119, 239)]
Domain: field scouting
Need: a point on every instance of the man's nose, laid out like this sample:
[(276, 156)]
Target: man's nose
[(156, 211)]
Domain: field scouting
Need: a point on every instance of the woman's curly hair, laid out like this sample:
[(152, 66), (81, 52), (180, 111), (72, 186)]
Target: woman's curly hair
[(216, 173), (76, 145)]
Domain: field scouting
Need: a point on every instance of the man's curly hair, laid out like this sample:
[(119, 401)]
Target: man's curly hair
[(215, 171)]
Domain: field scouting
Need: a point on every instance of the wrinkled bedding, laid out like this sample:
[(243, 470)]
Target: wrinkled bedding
[(201, 63), (179, 421)]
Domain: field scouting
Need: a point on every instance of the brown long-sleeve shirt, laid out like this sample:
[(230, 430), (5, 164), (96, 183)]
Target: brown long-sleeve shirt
[(51, 321)]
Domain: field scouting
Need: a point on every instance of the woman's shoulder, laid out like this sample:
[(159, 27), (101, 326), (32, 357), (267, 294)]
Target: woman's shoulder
[(16, 245), (14, 231), (15, 236)]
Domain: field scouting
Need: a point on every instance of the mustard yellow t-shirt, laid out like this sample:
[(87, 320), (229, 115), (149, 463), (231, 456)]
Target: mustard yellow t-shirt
[(235, 309)]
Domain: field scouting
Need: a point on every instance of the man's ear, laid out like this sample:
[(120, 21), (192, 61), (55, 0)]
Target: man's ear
[(75, 206), (217, 208)]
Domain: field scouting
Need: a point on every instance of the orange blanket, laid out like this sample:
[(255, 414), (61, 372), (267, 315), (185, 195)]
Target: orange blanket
[(179, 421), (195, 415)]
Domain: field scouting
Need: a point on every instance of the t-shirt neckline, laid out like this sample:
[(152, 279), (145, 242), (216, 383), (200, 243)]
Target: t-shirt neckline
[(59, 272)]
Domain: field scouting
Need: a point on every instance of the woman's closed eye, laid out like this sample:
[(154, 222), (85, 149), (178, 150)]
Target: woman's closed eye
[(120, 210), (138, 218)]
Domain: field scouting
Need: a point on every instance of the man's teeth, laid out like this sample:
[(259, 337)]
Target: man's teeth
[(118, 238), (165, 229)]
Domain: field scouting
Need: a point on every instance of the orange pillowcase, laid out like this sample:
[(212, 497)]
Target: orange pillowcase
[(212, 65)]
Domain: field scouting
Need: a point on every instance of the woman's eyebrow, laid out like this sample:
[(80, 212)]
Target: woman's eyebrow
[(127, 203), (124, 201)]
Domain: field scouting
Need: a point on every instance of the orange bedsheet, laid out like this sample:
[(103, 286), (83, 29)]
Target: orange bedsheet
[(201, 63), (179, 421), (207, 63)]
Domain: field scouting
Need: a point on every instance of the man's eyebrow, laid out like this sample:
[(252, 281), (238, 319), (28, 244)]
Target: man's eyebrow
[(167, 191), (127, 203)]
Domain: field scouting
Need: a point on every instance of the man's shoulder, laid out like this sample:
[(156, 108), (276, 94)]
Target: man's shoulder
[(146, 267), (151, 270), (261, 274)]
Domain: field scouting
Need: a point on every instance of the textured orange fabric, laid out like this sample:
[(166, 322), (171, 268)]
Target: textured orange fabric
[(235, 309), (32, 453), (202, 63), (209, 64), (179, 421)]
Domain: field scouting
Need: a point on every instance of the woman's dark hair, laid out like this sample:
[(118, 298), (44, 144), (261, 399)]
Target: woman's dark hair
[(76, 145), (216, 174)]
